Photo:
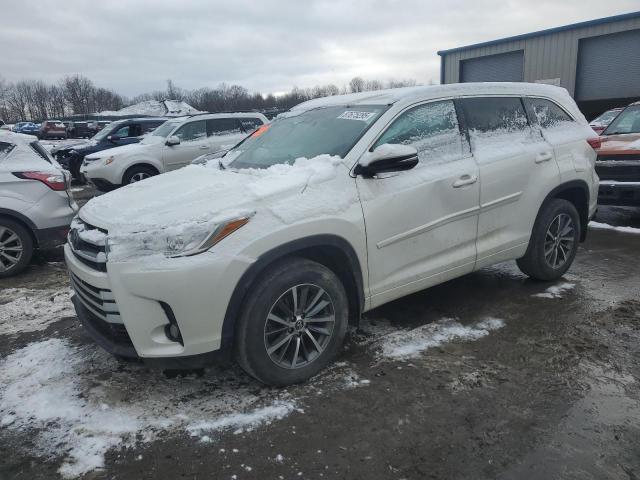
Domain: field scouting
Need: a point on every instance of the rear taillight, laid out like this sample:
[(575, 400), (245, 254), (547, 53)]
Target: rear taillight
[(595, 143), (55, 181)]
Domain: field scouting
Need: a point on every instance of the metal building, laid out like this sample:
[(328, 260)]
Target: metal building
[(597, 61)]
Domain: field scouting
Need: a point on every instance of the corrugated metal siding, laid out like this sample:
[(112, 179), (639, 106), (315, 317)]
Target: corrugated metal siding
[(550, 56), (609, 66), (504, 67)]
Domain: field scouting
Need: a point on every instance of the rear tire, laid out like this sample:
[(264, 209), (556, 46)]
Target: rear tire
[(554, 241), (281, 341), (138, 173), (16, 248)]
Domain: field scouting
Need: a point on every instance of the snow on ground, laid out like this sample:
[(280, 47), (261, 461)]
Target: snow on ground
[(606, 226), (28, 310), (555, 291), (407, 344), (82, 402)]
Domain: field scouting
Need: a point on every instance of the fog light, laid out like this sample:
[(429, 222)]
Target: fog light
[(173, 332)]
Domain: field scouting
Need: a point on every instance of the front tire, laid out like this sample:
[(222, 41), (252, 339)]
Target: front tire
[(554, 241), (16, 248), (293, 323), (138, 173)]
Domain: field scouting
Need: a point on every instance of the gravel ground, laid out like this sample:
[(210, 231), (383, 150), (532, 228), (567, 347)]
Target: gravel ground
[(504, 378)]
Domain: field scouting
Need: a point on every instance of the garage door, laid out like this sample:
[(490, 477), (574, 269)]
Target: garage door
[(609, 66), (504, 67)]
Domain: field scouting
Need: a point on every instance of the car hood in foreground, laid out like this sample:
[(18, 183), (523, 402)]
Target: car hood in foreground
[(203, 193)]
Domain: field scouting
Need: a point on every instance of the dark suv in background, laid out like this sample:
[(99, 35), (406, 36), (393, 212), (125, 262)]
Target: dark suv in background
[(116, 134)]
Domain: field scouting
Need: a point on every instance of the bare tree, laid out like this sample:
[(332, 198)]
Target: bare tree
[(357, 84)]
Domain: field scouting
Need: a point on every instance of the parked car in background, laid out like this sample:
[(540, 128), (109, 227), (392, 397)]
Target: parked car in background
[(340, 205), (171, 146), (7, 126), (36, 207), (600, 123), (123, 132), (27, 128), (52, 129), (618, 163), (78, 130), (94, 126)]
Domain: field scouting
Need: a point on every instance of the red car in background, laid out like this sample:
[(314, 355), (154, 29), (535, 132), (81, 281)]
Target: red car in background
[(618, 162), (52, 129), (599, 124)]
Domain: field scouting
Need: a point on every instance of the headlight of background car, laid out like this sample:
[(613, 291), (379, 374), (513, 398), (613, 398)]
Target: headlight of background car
[(179, 241)]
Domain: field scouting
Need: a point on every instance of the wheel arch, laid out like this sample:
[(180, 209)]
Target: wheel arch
[(22, 220), (576, 192), (332, 251)]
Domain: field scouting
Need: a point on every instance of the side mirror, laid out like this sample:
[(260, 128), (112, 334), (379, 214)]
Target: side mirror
[(387, 158), (173, 140), (113, 138)]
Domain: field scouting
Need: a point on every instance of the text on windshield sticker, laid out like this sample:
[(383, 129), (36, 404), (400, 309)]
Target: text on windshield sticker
[(351, 115)]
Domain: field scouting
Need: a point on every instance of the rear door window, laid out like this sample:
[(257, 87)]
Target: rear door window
[(432, 129), (222, 126), (494, 114), (547, 114)]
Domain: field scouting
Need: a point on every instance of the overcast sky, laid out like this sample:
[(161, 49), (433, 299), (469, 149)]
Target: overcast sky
[(267, 46)]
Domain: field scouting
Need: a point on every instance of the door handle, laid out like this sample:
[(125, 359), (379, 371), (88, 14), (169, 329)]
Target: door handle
[(465, 180), (543, 157)]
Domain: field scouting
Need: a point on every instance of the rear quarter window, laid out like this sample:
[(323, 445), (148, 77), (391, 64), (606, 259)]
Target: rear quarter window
[(5, 149), (547, 114), (41, 151)]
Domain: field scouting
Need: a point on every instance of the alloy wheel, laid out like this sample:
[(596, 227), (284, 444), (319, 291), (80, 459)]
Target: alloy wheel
[(136, 177), (11, 249), (299, 326), (559, 241)]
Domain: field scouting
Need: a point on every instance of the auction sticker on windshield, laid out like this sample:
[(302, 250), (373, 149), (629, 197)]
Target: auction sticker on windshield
[(352, 115)]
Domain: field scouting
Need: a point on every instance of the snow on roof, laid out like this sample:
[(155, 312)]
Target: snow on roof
[(16, 138), (409, 95), (154, 108)]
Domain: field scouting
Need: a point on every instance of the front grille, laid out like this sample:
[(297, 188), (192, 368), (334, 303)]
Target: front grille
[(87, 250), (622, 168), (103, 311)]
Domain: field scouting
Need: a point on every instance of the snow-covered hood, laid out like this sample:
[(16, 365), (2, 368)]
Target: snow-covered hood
[(204, 193)]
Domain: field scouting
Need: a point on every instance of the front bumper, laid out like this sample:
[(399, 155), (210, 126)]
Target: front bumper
[(130, 295), (613, 192)]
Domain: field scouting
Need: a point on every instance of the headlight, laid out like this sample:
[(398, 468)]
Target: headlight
[(179, 241)]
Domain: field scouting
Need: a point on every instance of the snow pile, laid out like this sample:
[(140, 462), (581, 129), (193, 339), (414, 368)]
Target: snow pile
[(29, 310), (606, 226), (82, 404), (402, 345), (154, 108), (555, 291)]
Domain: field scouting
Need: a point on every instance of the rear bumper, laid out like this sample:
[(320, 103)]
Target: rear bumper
[(51, 237), (613, 192)]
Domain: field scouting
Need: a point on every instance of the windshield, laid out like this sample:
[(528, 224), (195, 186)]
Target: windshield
[(105, 132), (606, 117), (330, 130), (165, 129), (627, 122)]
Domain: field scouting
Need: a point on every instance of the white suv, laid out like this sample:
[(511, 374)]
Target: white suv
[(172, 145), (336, 207)]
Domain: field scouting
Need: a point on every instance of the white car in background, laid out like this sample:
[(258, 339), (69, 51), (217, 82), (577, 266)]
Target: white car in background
[(172, 145), (341, 205)]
